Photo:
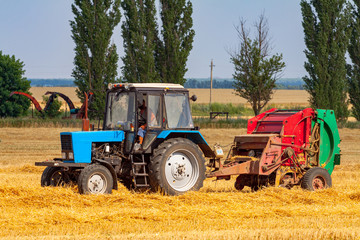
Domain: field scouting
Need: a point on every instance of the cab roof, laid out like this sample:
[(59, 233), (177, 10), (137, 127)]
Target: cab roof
[(154, 86)]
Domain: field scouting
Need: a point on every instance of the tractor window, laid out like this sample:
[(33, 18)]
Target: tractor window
[(154, 111), (178, 111), (120, 112)]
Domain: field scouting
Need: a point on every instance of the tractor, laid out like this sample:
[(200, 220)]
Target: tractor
[(149, 141), (169, 159)]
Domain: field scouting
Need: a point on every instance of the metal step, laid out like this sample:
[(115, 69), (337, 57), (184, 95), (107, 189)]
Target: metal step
[(141, 174), (139, 163), (141, 179)]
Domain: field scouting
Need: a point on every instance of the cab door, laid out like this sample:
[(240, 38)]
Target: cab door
[(154, 118)]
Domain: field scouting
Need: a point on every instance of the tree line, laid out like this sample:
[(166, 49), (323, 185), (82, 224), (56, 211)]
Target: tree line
[(156, 50)]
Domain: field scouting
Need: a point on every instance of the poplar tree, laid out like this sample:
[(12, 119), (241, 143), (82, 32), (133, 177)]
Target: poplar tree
[(354, 69), (139, 32), (175, 42), (325, 24), (95, 57)]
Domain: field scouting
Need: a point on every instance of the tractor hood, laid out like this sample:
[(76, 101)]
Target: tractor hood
[(79, 143)]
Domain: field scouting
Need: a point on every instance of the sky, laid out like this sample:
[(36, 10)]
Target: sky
[(38, 33)]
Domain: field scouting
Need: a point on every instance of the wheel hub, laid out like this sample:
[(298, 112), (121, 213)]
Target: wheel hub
[(318, 183), (97, 184), (181, 170), (178, 171)]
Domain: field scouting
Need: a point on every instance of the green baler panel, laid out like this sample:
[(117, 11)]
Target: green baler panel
[(329, 140)]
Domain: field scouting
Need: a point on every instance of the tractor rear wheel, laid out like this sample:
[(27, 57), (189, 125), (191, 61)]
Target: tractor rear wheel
[(95, 179), (316, 178), (177, 166), (54, 176)]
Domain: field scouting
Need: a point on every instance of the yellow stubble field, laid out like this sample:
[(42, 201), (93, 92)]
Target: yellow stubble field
[(281, 97), (217, 211)]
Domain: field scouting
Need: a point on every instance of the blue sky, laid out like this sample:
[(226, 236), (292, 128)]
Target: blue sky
[(38, 33)]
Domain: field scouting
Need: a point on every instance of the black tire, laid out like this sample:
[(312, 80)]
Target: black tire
[(95, 179), (170, 177), (316, 178), (239, 184), (54, 176)]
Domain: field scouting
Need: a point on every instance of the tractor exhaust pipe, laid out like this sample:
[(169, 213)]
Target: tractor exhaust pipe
[(85, 120)]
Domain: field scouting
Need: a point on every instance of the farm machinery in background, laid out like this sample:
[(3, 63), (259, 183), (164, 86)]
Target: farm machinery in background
[(281, 148), (75, 113)]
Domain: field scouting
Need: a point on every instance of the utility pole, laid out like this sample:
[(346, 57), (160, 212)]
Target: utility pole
[(211, 80)]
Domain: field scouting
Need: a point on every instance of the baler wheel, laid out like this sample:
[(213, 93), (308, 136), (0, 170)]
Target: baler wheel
[(239, 185), (316, 179), (177, 166), (54, 176), (95, 179)]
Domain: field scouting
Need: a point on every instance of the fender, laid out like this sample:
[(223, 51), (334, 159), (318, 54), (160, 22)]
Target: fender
[(194, 136)]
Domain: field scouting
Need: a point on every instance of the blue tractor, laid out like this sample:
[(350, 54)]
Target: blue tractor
[(148, 141)]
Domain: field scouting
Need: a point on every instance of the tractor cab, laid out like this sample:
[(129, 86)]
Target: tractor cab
[(143, 111)]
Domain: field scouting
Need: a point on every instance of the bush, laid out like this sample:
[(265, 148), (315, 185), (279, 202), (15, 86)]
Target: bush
[(54, 109)]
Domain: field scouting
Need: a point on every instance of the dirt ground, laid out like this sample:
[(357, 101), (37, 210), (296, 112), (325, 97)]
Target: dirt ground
[(217, 211)]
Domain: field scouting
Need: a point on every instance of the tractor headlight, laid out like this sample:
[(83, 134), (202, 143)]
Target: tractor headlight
[(63, 155), (71, 155)]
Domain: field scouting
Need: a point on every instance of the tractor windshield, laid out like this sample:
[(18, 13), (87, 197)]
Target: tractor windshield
[(178, 111), (120, 112)]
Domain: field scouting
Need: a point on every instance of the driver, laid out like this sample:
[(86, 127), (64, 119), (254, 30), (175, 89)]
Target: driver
[(143, 121)]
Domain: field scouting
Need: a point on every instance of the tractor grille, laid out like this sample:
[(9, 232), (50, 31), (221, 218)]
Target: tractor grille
[(66, 143)]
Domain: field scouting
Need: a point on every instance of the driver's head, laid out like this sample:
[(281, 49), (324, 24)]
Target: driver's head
[(143, 105)]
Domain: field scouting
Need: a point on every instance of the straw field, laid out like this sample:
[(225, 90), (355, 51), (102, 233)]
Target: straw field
[(281, 97), (218, 211)]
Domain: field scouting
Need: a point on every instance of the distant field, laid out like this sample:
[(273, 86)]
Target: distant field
[(38, 92), (299, 97), (296, 97), (217, 211)]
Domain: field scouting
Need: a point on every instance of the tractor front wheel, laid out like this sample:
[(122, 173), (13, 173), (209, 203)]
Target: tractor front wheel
[(54, 176), (316, 178), (95, 179), (177, 166)]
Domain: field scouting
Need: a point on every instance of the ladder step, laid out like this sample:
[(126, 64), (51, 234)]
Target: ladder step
[(139, 163), (141, 174), (142, 185)]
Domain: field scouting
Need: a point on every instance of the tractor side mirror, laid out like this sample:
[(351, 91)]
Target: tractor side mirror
[(193, 98)]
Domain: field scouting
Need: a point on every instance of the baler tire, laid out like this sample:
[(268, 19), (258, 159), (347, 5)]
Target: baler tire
[(93, 176), (49, 177), (238, 184), (168, 179), (316, 178)]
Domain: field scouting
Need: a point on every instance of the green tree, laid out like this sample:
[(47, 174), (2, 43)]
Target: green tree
[(12, 79), (139, 32), (95, 57), (326, 31), (53, 110), (354, 69), (175, 43), (256, 71)]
